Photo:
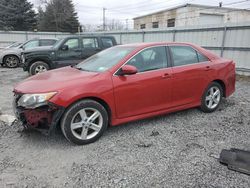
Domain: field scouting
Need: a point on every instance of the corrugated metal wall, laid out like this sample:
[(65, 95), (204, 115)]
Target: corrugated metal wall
[(230, 41), (7, 38)]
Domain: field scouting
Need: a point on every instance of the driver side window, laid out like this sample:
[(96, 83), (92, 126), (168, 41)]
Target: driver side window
[(150, 59), (72, 44)]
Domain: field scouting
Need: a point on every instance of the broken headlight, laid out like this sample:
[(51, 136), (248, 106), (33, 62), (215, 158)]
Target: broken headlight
[(34, 100)]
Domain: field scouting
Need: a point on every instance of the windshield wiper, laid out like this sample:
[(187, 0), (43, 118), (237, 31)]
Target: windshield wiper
[(79, 68)]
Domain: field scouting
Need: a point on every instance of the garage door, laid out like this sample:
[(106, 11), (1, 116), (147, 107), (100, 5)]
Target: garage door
[(209, 19)]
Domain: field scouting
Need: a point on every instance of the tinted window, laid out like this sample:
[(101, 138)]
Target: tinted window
[(107, 42), (89, 43), (150, 59), (31, 44), (143, 26), (171, 22), (202, 58), (183, 55), (47, 42), (155, 24), (72, 43)]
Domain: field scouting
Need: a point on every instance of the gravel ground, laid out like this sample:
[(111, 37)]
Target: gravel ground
[(175, 150)]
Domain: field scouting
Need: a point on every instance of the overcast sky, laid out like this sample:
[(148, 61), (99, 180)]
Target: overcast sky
[(90, 11)]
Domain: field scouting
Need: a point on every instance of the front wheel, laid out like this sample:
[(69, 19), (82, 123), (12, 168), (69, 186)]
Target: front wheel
[(211, 98), (11, 61), (84, 122), (38, 67)]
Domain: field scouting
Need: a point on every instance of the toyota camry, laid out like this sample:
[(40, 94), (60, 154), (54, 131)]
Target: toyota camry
[(122, 84)]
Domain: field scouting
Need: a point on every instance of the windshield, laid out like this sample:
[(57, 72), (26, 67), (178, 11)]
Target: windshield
[(31, 44), (104, 60), (16, 44)]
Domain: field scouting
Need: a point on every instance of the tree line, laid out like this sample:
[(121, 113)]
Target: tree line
[(54, 16)]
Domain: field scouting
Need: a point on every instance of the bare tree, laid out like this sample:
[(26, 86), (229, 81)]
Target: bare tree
[(115, 25)]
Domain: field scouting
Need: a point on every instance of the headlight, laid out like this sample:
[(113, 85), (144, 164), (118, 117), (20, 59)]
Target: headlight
[(22, 58), (34, 100)]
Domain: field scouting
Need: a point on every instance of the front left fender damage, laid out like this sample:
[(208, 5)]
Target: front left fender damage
[(44, 118)]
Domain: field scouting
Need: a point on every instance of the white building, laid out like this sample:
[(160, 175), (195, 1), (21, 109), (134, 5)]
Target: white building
[(191, 15)]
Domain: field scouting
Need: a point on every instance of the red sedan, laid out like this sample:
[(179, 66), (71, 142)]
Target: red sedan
[(122, 84)]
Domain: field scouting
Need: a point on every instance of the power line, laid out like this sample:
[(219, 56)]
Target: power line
[(206, 8), (199, 16), (129, 5), (136, 7), (152, 6), (129, 12), (236, 2), (116, 10)]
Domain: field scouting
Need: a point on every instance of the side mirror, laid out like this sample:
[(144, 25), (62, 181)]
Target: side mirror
[(65, 48), (128, 70)]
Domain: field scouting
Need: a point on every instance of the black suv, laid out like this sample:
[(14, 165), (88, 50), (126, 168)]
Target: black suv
[(67, 51)]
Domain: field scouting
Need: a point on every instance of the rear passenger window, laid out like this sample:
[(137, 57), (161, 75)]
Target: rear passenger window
[(107, 42), (183, 55), (89, 43), (201, 57)]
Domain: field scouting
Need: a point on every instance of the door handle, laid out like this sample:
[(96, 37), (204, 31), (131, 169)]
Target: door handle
[(207, 68), (166, 75)]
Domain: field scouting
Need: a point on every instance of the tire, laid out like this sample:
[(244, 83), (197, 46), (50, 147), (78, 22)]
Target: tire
[(77, 125), (211, 97), (11, 61), (38, 67)]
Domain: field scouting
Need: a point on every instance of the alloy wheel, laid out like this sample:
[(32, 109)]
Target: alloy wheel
[(11, 61), (86, 123), (40, 69), (213, 97)]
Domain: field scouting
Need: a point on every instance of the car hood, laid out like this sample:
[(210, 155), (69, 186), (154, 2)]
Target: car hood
[(11, 51), (55, 80)]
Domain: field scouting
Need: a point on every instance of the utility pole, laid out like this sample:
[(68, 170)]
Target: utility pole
[(79, 29), (126, 24), (104, 19)]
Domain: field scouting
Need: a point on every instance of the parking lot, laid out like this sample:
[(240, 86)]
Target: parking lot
[(175, 150)]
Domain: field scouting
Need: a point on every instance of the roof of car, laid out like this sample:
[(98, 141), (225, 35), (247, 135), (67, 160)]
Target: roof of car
[(88, 35), (148, 44), (140, 46)]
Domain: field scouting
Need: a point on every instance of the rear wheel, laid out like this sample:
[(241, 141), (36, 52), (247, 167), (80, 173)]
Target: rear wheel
[(11, 61), (84, 122), (38, 67), (211, 98)]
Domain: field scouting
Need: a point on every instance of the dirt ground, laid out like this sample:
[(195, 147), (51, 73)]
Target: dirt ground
[(175, 150)]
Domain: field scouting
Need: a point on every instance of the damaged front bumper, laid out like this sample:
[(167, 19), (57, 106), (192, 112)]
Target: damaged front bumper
[(44, 118)]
